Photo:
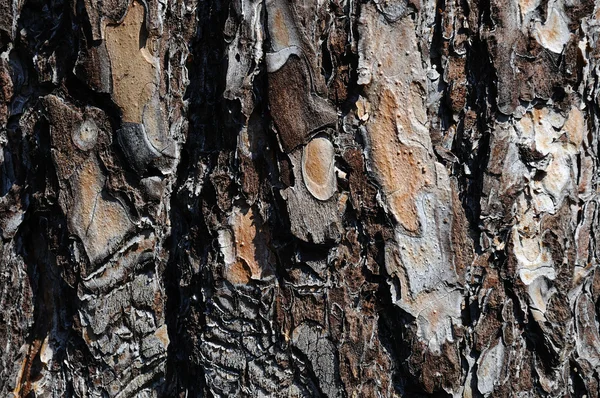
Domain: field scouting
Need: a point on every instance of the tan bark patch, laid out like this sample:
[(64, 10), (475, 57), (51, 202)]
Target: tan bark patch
[(133, 67), (252, 255), (401, 169), (101, 223), (318, 168)]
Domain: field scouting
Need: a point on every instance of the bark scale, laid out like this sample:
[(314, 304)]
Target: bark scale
[(286, 198)]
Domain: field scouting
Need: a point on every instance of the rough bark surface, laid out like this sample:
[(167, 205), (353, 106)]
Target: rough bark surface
[(286, 198)]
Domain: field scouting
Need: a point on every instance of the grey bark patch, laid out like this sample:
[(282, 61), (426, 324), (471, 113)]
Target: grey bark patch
[(93, 67), (313, 342), (137, 148), (311, 220)]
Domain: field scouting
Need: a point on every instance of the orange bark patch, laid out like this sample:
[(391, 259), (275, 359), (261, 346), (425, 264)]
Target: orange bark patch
[(163, 335), (575, 126), (238, 273), (252, 254), (318, 168), (400, 168), (133, 69)]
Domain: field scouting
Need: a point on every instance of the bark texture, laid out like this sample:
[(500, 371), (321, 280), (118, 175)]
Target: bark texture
[(292, 198)]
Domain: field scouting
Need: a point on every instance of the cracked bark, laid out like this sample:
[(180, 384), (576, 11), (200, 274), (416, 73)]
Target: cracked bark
[(275, 198)]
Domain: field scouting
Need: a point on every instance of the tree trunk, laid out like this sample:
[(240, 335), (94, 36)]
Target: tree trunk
[(275, 198)]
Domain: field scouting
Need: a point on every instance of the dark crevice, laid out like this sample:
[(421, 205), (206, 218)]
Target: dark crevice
[(481, 101), (43, 244), (210, 131), (327, 65)]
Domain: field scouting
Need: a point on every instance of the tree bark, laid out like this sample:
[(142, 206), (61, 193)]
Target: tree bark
[(275, 198)]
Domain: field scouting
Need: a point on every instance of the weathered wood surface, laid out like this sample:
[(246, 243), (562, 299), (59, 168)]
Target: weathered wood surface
[(287, 198)]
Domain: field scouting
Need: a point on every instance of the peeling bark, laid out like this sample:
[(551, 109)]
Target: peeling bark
[(275, 198)]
